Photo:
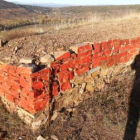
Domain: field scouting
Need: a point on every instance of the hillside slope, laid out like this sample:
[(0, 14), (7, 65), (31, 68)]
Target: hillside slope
[(7, 5)]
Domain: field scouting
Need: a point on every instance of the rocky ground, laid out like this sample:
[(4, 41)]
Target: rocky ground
[(39, 45), (101, 117), (12, 128)]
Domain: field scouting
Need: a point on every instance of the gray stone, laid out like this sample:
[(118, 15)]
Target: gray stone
[(58, 54), (46, 59), (55, 114), (40, 138), (1, 43), (81, 91), (93, 70), (54, 137), (26, 60), (84, 86), (89, 87), (75, 47)]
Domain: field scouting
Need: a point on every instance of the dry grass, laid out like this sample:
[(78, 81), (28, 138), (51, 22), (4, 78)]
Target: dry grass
[(98, 18), (102, 116), (19, 32), (90, 20), (13, 127)]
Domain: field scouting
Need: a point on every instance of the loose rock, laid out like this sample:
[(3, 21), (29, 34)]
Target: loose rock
[(26, 60)]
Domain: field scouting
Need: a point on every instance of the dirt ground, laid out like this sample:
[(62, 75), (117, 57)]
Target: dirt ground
[(39, 45), (12, 128), (101, 117)]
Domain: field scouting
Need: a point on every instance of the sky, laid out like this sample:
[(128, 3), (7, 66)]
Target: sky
[(80, 2)]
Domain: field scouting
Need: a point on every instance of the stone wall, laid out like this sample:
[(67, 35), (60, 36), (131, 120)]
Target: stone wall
[(64, 82)]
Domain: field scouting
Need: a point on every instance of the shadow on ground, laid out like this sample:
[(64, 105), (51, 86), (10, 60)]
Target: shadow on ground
[(134, 103)]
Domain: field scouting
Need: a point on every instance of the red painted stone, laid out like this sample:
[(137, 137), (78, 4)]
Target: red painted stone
[(87, 59), (64, 66), (24, 70), (2, 79), (84, 54), (96, 63), (55, 64), (12, 70), (105, 45), (133, 41), (55, 90), (82, 70), (3, 67), (24, 104), (71, 75), (116, 49), (9, 97), (103, 59), (65, 86), (110, 61), (97, 55), (40, 105), (37, 85), (1, 92), (126, 41), (64, 77), (15, 86), (84, 48), (74, 63), (123, 49), (97, 47), (13, 78), (24, 82), (3, 73), (14, 93), (73, 55), (106, 52)]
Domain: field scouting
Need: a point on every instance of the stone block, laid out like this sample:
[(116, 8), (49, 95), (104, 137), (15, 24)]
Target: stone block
[(1, 43), (79, 48), (66, 86), (84, 60), (82, 70), (40, 138), (89, 87), (83, 86), (94, 74), (97, 47), (105, 45), (38, 85), (61, 55), (84, 54), (96, 63), (64, 66), (93, 70), (46, 59), (55, 90), (24, 70), (26, 60), (107, 52), (97, 55), (116, 49)]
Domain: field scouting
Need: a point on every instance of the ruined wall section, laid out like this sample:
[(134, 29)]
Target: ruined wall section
[(66, 75), (23, 88), (88, 56)]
